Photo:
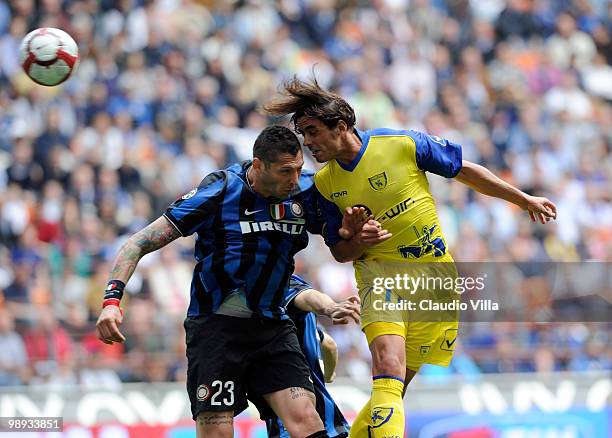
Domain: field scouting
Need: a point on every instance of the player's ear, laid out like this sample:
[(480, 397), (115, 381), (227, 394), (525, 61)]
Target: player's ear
[(342, 126), (257, 163)]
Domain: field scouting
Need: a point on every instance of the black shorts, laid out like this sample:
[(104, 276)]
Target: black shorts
[(228, 357)]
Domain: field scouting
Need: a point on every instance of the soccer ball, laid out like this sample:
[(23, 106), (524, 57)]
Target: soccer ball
[(48, 56)]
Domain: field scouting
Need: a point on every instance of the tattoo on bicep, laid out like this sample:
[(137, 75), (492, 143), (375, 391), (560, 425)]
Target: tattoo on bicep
[(214, 419), (297, 392), (151, 238), (155, 236)]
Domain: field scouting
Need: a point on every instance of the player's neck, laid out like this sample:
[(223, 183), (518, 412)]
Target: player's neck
[(350, 149)]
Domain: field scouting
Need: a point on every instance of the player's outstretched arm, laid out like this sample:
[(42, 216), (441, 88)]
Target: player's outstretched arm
[(312, 300), (151, 238), (484, 181), (329, 354)]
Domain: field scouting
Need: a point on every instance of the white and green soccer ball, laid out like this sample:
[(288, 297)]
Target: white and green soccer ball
[(48, 56)]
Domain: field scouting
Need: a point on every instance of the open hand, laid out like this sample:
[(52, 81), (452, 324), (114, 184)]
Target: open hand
[(353, 219), (345, 311), (541, 209)]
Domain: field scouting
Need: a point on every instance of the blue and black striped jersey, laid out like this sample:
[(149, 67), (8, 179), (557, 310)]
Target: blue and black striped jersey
[(310, 338), (244, 242)]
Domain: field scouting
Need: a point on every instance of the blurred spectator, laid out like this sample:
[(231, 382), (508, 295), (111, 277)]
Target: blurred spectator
[(13, 357), (49, 139), (570, 47), (170, 280), (597, 77), (9, 45), (414, 88), (568, 99), (517, 19), (24, 171), (48, 344)]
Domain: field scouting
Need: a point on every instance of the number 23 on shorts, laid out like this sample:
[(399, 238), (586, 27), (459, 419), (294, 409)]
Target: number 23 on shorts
[(220, 393)]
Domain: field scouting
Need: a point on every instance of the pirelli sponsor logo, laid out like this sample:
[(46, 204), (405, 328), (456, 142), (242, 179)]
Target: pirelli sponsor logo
[(295, 226)]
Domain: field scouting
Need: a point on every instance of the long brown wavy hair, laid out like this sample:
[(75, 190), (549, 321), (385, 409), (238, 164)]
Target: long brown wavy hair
[(300, 98)]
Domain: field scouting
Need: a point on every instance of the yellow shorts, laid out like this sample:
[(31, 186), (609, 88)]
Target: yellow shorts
[(424, 311), (426, 342)]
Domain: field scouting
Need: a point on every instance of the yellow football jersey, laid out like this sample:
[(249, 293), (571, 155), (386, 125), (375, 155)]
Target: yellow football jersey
[(388, 179)]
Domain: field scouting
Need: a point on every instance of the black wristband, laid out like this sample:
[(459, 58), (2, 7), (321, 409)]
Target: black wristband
[(114, 289)]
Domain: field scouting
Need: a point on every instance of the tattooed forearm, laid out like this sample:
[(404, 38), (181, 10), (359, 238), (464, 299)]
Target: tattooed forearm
[(151, 238), (214, 419)]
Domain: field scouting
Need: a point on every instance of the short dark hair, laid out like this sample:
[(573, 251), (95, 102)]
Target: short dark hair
[(300, 98), (274, 141)]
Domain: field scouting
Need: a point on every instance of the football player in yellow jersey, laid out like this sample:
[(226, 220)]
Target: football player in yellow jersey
[(382, 171)]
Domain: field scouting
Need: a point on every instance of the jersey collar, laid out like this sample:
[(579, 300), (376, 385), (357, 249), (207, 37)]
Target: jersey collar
[(364, 136)]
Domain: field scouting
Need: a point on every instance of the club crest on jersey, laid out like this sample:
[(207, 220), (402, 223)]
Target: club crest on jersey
[(380, 416), (379, 181), (296, 209), (277, 211)]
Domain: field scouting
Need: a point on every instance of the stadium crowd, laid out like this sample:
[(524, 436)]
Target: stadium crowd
[(167, 91)]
